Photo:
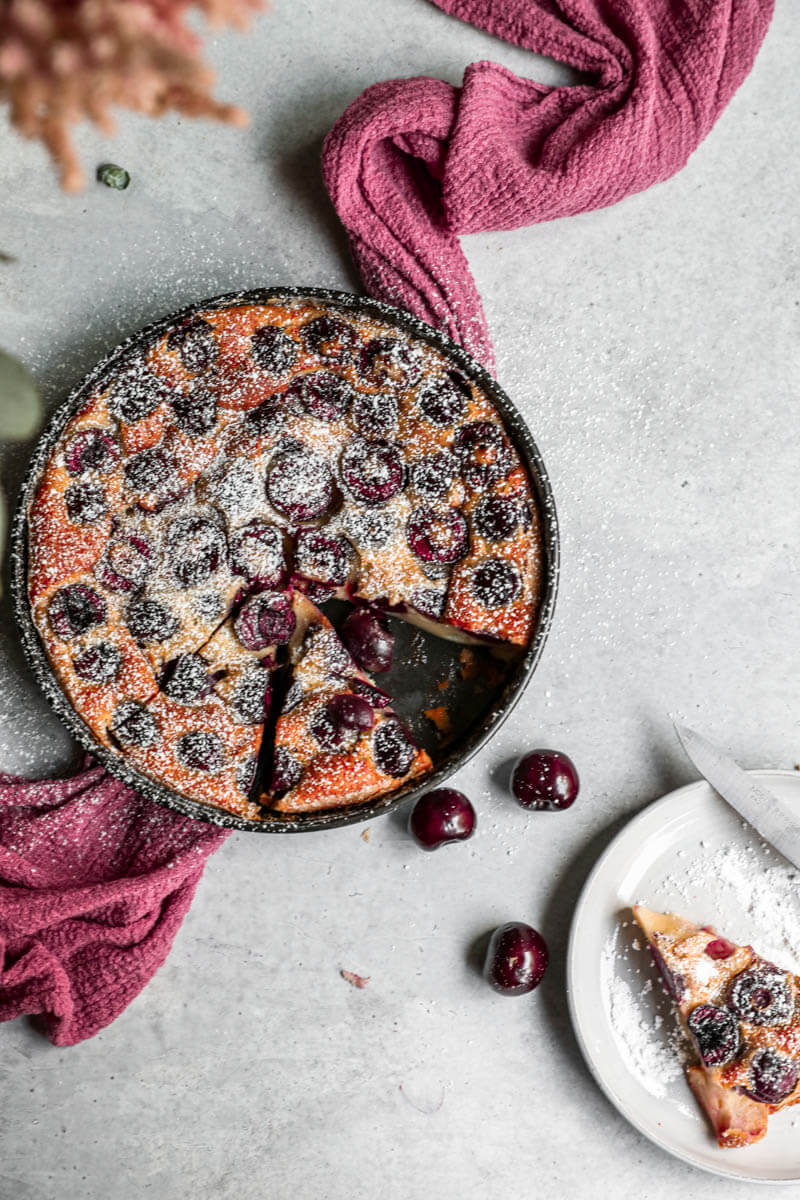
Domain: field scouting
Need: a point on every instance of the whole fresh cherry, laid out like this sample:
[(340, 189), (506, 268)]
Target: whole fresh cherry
[(516, 959), (441, 816), (545, 780)]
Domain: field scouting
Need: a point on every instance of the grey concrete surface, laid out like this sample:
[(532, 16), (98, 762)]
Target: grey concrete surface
[(653, 348)]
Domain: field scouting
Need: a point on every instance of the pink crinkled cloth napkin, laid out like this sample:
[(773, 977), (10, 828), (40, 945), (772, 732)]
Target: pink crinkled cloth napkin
[(413, 163), (94, 884), (95, 880)]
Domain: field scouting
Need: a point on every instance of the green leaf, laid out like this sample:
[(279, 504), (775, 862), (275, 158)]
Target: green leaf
[(20, 406)]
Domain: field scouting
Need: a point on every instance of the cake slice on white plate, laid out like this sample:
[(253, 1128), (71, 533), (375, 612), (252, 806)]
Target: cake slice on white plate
[(740, 1013)]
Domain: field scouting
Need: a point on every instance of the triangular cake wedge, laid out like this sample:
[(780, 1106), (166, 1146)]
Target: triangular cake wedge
[(201, 733), (337, 740), (740, 1013)]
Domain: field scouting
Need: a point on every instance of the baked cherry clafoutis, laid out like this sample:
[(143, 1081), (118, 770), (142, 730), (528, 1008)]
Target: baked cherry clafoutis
[(740, 1013), (226, 478)]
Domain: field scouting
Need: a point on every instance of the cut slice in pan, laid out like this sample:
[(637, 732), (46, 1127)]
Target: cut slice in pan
[(337, 739)]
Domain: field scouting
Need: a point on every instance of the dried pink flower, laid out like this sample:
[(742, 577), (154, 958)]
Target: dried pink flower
[(62, 61)]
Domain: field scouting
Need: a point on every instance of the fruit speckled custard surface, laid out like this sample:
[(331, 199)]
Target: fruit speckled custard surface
[(226, 474)]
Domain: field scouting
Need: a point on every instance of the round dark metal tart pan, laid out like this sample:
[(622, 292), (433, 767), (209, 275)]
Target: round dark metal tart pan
[(478, 700)]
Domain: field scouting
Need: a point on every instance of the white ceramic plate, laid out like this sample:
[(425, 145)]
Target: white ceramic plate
[(687, 853)]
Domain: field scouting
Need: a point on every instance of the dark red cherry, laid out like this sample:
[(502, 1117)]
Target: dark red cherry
[(125, 563), (482, 453), (497, 517), (273, 350), (136, 393), (265, 620), (269, 417), (200, 751), (716, 1033), (195, 411), (99, 664), (329, 337), (394, 749), (251, 699), (720, 948), (431, 477), (300, 485), (441, 816), (773, 1076), (438, 536), (545, 779), (389, 360), (376, 415), (188, 680), (762, 995), (351, 711), (428, 602), (74, 610), (256, 553), (286, 772), (91, 450), (85, 503), (150, 621), (196, 546), (322, 557), (496, 583), (195, 344), (375, 697), (373, 472), (367, 636), (133, 725), (516, 959), (443, 400), (338, 723), (150, 473), (322, 394)]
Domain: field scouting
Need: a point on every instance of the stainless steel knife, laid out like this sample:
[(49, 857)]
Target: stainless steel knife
[(777, 823)]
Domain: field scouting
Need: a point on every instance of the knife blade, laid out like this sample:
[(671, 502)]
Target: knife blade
[(774, 821)]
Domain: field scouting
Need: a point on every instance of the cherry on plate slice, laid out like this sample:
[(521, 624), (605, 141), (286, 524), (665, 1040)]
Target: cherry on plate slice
[(516, 959), (762, 995), (716, 1033), (545, 780), (773, 1076), (441, 816), (369, 639), (321, 557)]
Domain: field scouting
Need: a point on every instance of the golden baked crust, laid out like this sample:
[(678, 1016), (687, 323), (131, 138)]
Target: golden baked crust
[(268, 448)]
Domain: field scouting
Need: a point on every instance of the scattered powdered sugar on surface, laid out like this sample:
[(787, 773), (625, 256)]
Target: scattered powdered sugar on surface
[(746, 892), (647, 1032)]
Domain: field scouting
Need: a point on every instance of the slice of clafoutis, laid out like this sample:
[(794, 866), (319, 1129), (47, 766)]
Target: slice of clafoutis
[(337, 739), (740, 1013), (201, 733)]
